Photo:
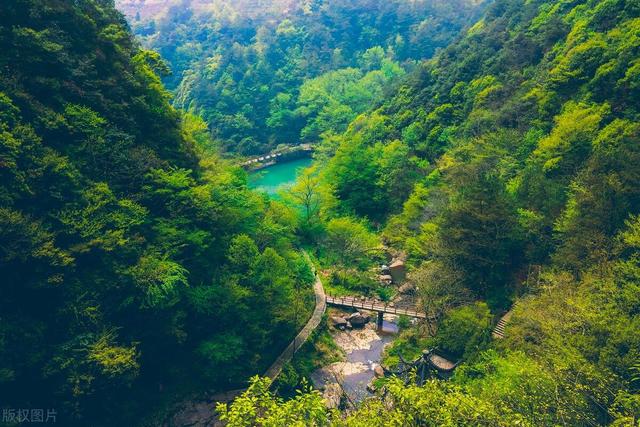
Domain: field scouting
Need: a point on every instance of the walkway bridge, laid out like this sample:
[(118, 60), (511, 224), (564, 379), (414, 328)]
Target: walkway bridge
[(289, 152), (381, 307)]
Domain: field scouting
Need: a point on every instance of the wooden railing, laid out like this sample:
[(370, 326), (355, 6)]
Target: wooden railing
[(374, 305)]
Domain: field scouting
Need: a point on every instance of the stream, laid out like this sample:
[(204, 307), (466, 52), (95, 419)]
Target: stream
[(363, 349)]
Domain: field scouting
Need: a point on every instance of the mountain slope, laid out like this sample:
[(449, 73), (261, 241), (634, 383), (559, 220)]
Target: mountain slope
[(132, 269), (507, 169), (246, 74)]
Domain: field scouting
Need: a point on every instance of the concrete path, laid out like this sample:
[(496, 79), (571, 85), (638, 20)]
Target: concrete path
[(315, 319), (498, 331)]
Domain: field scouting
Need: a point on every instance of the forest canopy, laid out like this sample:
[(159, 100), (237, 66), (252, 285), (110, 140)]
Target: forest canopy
[(130, 261), (496, 147), (258, 74), (506, 168)]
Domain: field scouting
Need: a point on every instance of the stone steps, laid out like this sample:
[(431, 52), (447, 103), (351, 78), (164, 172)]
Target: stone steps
[(499, 330)]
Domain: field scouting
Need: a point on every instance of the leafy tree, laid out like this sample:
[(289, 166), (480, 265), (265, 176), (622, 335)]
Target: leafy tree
[(439, 288), (600, 197), (130, 253), (465, 330), (310, 195), (349, 242), (261, 77)]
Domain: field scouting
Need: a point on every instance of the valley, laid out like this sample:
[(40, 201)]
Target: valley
[(346, 213)]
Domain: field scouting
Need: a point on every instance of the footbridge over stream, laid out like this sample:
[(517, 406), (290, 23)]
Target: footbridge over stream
[(378, 306)]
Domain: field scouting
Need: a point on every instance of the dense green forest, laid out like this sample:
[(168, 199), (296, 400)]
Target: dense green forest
[(130, 263), (137, 267), (507, 168), (288, 71)]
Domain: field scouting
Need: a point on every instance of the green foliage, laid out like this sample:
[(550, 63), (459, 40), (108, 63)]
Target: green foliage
[(409, 344), (318, 351), (439, 286), (114, 361), (311, 198), (330, 102), (601, 196), (403, 322), (526, 387), (160, 281), (369, 178), (348, 282), (465, 331), (349, 242), (522, 142), (434, 404), (262, 77), (221, 356), (260, 407), (133, 260)]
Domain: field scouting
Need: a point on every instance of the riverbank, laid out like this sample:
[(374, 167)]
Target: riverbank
[(363, 350)]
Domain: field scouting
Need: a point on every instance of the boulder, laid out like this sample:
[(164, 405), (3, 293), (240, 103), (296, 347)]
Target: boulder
[(332, 395), (385, 278), (398, 271), (407, 288), (349, 326), (378, 371), (358, 320), (339, 322)]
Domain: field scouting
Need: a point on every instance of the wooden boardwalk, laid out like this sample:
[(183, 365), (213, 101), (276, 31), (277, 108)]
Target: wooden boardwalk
[(275, 156), (374, 305), (200, 412), (315, 319)]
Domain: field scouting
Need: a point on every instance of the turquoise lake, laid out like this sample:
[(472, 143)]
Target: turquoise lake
[(279, 176)]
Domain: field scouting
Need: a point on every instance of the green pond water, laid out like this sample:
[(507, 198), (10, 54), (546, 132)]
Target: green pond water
[(279, 176)]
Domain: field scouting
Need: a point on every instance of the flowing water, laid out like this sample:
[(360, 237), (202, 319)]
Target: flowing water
[(279, 176), (358, 368)]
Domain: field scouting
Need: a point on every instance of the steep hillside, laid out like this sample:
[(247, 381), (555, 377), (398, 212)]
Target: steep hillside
[(249, 74), (132, 270), (506, 169), (528, 94), (137, 268)]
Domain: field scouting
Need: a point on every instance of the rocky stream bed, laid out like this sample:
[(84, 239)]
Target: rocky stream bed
[(363, 348)]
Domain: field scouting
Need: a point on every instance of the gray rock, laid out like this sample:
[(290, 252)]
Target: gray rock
[(398, 271), (358, 320), (349, 326), (339, 322), (332, 395), (378, 371), (385, 278)]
